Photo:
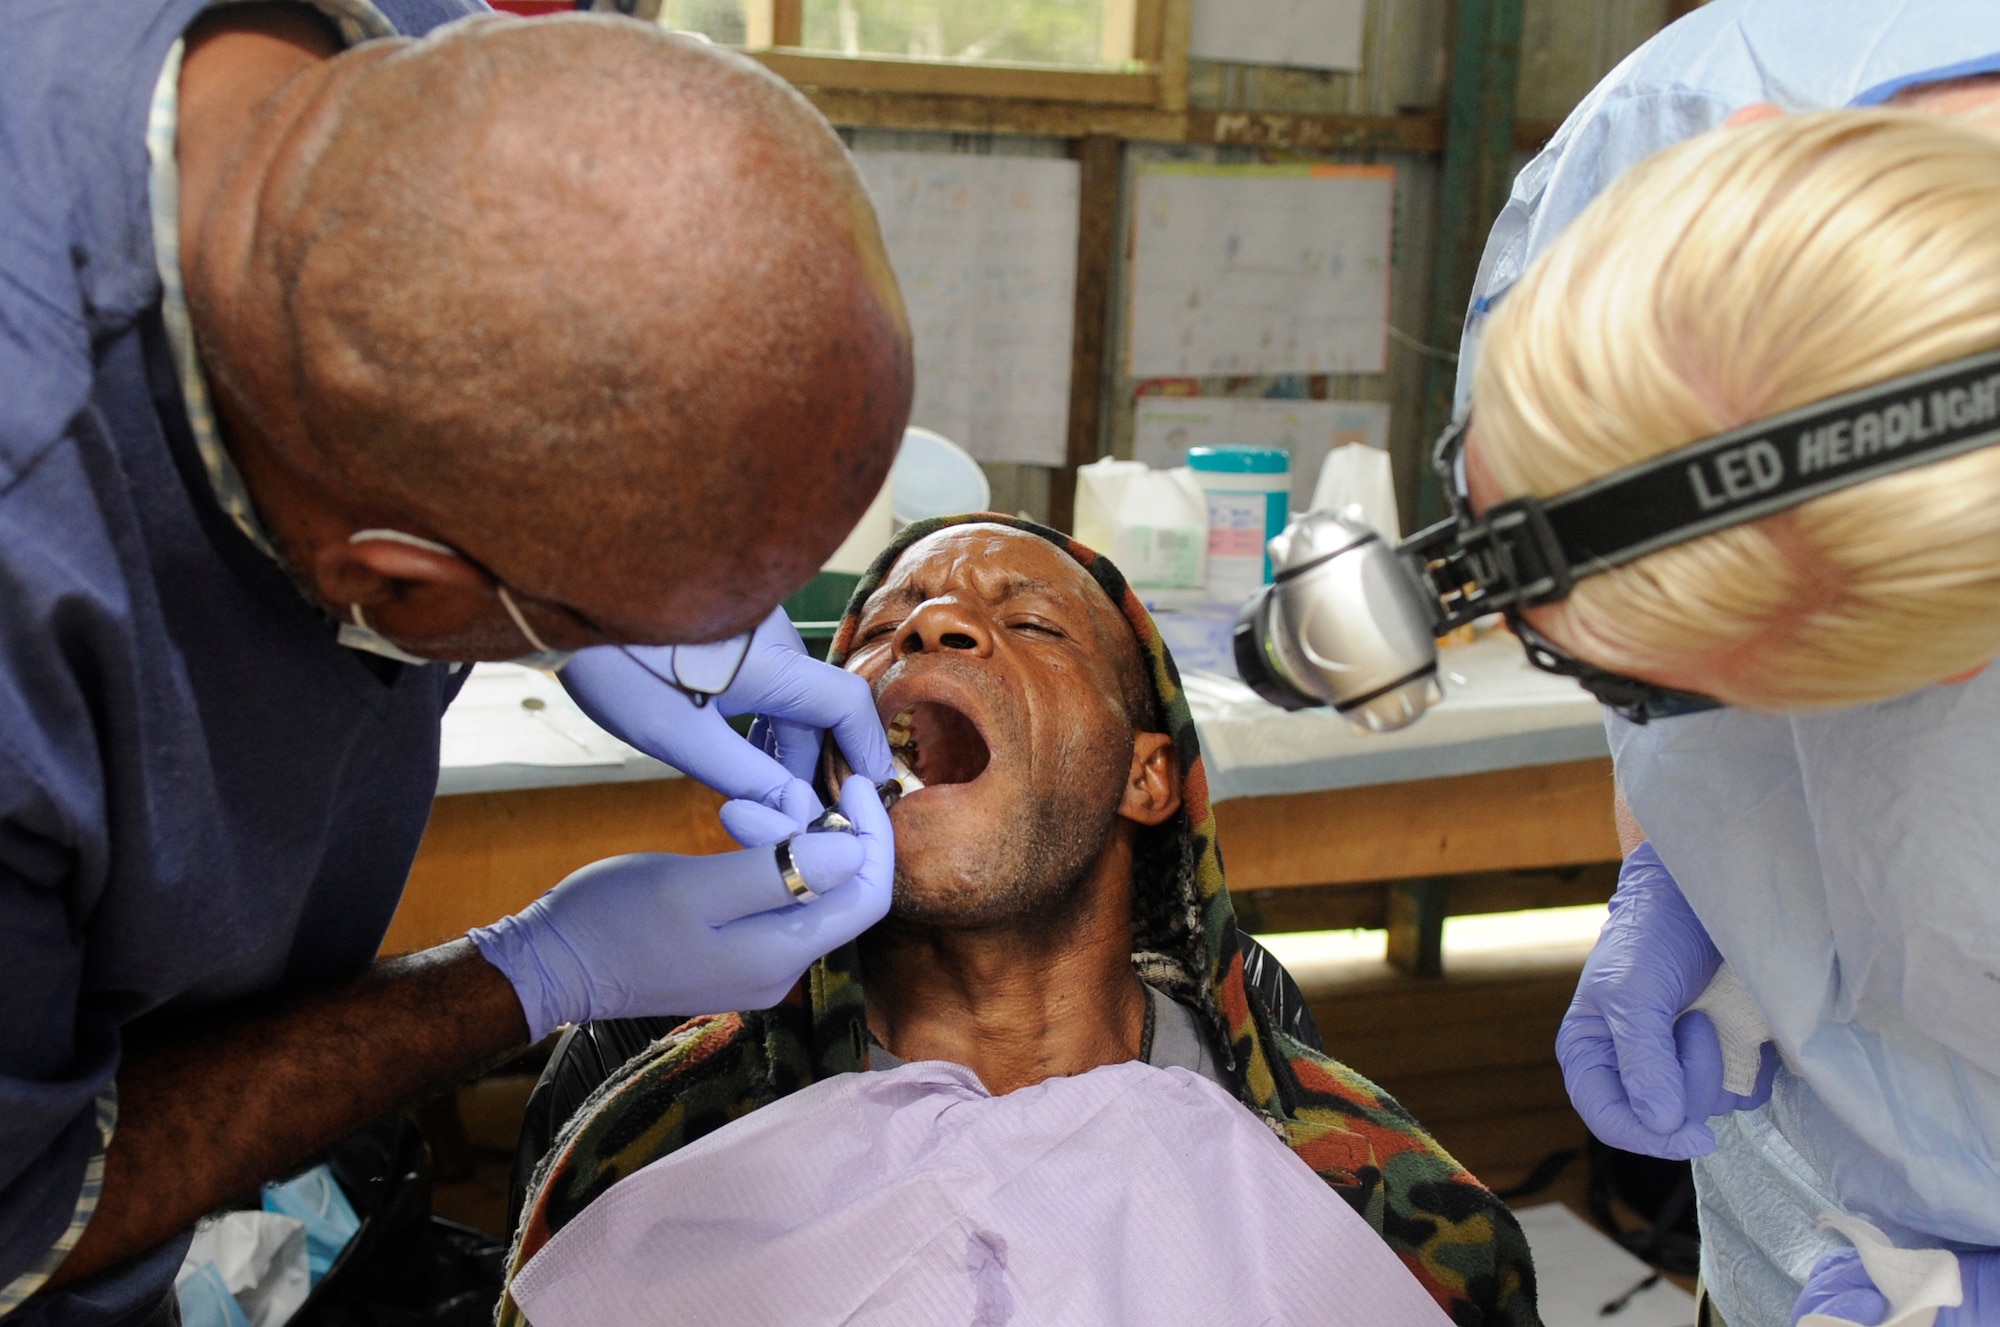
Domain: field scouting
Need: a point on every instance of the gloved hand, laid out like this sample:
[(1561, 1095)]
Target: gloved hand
[(1643, 1076), (652, 933), (1840, 1287), (800, 697)]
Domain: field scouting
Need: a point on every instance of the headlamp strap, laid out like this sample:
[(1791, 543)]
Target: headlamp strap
[(1508, 558), (1770, 466)]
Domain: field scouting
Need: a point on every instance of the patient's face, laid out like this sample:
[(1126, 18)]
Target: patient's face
[(996, 662)]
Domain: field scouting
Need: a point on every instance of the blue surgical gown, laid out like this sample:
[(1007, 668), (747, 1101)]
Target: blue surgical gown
[(1843, 861), (1798, 54)]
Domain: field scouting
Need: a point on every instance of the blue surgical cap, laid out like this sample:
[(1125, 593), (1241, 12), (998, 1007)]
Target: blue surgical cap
[(1797, 54)]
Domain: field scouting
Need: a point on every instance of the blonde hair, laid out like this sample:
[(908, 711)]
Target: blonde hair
[(1741, 274)]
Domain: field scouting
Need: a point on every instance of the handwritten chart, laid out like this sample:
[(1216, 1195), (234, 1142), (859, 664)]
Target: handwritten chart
[(985, 250), (1260, 269)]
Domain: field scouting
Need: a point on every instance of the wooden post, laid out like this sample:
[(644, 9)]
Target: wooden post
[(1097, 248), (1148, 23), (1176, 26), (1417, 910), (1478, 152), (788, 22), (769, 23)]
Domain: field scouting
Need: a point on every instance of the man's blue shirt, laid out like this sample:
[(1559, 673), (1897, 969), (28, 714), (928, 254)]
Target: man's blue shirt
[(202, 796)]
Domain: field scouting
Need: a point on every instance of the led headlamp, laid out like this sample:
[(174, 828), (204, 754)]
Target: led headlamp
[(1351, 622)]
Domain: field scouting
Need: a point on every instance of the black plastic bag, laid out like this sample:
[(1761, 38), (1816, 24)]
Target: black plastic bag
[(405, 1266)]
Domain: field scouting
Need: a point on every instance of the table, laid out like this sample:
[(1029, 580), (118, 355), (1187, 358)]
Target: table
[(1320, 827), (1497, 800)]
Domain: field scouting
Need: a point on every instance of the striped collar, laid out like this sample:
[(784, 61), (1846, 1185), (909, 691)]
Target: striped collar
[(356, 21)]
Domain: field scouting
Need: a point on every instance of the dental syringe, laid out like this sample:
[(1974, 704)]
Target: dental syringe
[(892, 790)]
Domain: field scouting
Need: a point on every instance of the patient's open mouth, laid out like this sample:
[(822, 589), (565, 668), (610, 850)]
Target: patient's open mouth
[(938, 744)]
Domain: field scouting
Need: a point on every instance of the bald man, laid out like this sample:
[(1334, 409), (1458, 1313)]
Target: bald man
[(334, 360)]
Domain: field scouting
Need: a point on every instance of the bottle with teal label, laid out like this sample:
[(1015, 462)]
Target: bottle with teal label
[(1249, 493)]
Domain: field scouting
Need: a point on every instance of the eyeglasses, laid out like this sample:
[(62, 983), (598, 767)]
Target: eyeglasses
[(699, 672), (1448, 458)]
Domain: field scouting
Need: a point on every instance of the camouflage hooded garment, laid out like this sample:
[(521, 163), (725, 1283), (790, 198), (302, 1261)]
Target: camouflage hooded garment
[(1460, 1241)]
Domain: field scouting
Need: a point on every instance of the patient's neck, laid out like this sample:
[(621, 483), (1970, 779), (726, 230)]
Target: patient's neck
[(1015, 1004)]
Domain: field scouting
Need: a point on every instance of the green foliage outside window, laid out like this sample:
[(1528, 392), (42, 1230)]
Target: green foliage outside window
[(1066, 32), (1059, 32), (719, 20)]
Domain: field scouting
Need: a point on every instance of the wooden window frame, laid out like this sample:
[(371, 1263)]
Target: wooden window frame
[(1149, 37)]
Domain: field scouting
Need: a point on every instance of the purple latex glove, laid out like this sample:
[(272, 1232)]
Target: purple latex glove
[(653, 933), (800, 697), (1642, 1075), (1700, 1052), (1840, 1287)]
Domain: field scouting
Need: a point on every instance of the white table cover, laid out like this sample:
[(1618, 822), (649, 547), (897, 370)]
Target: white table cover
[(1498, 713)]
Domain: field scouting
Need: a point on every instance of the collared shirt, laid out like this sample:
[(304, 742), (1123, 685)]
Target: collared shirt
[(1178, 1042), (203, 796), (356, 21)]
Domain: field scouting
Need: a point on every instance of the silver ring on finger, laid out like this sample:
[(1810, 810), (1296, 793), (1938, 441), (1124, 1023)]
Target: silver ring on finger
[(788, 871)]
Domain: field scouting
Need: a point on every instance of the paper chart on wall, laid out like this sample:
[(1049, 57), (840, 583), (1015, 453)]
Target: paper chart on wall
[(1164, 427), (985, 251), (1260, 269), (1310, 34)]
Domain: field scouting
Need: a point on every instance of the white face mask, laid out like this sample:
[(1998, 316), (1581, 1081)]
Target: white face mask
[(356, 634)]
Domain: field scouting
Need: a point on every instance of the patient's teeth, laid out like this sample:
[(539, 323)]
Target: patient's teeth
[(903, 748)]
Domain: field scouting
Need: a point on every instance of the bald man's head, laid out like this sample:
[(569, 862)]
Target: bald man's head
[(602, 306)]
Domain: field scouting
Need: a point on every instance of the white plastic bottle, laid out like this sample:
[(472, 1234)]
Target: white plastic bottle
[(1152, 523)]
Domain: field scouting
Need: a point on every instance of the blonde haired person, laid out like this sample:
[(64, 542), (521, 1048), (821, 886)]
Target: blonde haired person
[(1828, 834), (1735, 277)]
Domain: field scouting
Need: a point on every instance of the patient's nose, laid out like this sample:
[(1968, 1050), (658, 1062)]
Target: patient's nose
[(946, 624)]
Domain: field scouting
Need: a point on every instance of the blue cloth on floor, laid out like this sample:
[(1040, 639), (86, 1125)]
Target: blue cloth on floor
[(316, 1198)]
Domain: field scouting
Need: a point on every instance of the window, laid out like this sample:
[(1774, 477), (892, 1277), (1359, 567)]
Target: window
[(1056, 32), (718, 20), (1104, 51)]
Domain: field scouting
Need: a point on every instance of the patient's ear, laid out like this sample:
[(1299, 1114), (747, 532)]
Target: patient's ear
[(1153, 790)]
